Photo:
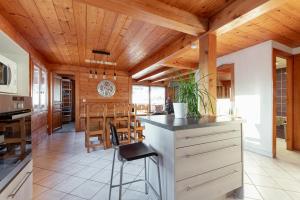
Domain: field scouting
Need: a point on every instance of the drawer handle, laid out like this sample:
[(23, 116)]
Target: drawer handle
[(218, 149), (216, 133), (189, 188), (15, 191)]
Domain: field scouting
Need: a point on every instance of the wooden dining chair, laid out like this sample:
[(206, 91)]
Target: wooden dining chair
[(137, 127), (122, 122), (95, 125)]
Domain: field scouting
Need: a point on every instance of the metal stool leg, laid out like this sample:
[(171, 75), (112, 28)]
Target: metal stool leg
[(112, 175), (121, 177), (146, 177), (159, 181)]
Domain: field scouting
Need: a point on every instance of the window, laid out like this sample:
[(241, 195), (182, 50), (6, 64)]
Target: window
[(140, 94), (153, 96), (39, 89), (157, 98), (36, 88)]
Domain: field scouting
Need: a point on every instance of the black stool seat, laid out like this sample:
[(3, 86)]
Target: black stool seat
[(136, 151)]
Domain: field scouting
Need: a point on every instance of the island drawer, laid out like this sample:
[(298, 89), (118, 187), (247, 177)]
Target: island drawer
[(198, 159), (213, 184), (208, 134)]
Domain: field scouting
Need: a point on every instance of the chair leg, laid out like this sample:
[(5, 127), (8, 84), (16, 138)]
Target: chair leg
[(159, 180), (121, 179), (112, 175), (146, 177)]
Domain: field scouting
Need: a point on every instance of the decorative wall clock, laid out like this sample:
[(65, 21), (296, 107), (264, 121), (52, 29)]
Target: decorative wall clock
[(106, 88)]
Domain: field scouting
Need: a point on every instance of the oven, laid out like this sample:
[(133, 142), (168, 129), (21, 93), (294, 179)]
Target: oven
[(8, 75), (15, 136)]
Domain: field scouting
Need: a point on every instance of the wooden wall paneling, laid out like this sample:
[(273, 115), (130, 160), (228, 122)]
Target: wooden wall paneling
[(86, 88)]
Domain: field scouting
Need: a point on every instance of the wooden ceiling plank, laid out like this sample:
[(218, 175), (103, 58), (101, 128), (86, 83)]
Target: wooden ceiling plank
[(80, 18), (64, 11), (160, 70), (240, 12), (49, 16), (155, 12), (95, 18), (25, 25)]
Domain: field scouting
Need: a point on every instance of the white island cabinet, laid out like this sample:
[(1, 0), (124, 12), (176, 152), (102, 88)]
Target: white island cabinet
[(199, 159)]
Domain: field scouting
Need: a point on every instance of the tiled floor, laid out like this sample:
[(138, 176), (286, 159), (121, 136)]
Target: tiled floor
[(63, 170)]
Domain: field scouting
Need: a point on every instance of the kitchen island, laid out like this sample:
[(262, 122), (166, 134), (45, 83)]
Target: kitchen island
[(199, 158)]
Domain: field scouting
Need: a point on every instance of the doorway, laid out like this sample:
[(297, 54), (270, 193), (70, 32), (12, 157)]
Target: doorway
[(282, 103), (225, 90), (63, 103)]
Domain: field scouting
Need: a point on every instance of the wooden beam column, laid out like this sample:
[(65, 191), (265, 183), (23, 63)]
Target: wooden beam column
[(208, 68)]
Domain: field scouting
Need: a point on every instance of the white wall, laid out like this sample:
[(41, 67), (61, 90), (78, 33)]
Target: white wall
[(254, 94), (12, 51)]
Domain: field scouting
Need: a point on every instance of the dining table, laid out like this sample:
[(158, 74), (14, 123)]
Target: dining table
[(109, 118)]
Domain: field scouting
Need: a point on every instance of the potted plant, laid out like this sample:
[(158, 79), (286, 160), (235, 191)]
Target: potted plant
[(189, 94)]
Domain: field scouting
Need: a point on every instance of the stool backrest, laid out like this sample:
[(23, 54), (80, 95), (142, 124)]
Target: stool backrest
[(114, 135)]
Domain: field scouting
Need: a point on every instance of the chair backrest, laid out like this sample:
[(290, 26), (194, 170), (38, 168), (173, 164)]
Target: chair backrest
[(121, 110), (141, 108), (114, 135), (95, 116)]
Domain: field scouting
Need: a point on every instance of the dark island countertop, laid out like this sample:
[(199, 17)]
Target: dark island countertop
[(171, 123)]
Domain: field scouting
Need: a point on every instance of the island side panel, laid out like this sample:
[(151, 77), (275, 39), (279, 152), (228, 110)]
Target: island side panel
[(162, 140)]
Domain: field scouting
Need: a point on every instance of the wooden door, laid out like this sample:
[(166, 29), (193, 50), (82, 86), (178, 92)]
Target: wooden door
[(57, 103)]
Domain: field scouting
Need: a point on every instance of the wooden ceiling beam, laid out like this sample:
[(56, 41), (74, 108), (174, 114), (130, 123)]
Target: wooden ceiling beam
[(181, 65), (176, 74), (155, 12), (235, 14), (165, 54), (240, 12), (155, 72)]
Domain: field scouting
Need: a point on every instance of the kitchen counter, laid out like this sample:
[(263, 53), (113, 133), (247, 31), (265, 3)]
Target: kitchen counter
[(199, 158), (171, 123)]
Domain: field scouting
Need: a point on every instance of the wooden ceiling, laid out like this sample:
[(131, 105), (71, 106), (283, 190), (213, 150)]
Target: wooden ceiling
[(65, 32), (281, 25)]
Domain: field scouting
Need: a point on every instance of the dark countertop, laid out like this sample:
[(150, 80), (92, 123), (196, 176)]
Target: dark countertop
[(171, 123)]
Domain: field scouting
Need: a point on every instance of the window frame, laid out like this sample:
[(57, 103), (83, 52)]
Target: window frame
[(149, 94)]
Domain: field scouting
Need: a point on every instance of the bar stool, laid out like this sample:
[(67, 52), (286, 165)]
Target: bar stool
[(132, 152)]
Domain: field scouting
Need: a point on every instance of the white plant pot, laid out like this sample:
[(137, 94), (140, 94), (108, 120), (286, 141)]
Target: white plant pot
[(180, 110)]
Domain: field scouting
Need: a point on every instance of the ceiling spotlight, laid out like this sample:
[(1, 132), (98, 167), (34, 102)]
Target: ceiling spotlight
[(194, 46)]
